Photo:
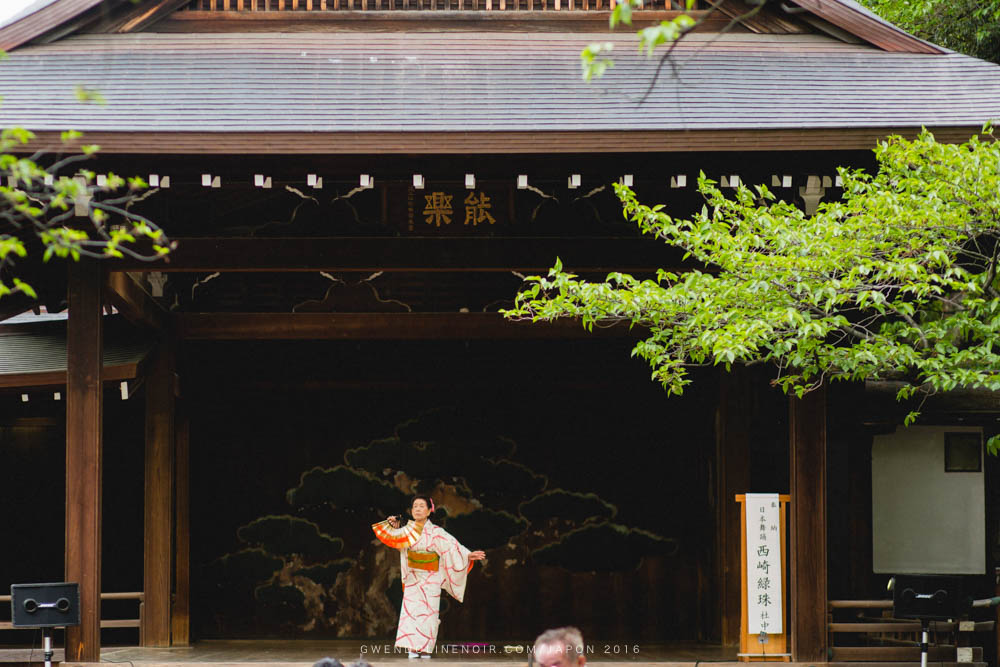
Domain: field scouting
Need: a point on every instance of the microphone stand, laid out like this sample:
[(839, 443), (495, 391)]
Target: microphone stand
[(47, 646), (924, 626)]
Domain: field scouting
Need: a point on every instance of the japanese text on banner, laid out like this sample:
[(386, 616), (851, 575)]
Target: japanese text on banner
[(764, 576)]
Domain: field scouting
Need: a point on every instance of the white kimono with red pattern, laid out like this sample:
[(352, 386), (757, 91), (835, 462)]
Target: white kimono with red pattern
[(418, 616)]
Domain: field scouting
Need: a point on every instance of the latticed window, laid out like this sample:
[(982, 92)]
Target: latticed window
[(445, 5)]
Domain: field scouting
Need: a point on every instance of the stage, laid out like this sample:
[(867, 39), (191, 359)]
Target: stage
[(302, 653)]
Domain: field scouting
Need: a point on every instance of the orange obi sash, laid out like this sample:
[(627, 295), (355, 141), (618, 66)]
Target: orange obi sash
[(423, 560)]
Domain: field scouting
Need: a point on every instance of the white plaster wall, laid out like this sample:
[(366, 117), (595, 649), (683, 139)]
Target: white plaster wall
[(925, 520)]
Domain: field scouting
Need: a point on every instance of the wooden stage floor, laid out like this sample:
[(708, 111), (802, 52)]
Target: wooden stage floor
[(300, 653)]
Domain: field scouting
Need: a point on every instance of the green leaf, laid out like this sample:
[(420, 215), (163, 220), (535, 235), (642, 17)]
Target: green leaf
[(993, 445), (593, 65), (879, 283), (25, 287), (622, 13), (89, 95)]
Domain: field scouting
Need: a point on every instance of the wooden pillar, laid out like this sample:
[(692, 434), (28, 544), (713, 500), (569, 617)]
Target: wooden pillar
[(857, 440), (807, 551), (84, 417), (157, 560), (732, 426), (180, 619)]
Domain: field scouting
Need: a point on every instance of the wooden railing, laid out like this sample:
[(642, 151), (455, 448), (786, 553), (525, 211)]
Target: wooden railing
[(440, 5), (105, 622), (872, 635)]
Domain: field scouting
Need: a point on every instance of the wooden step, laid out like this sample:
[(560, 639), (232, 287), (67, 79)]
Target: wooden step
[(34, 656), (860, 604), (906, 626), (907, 664), (898, 654), (105, 623)]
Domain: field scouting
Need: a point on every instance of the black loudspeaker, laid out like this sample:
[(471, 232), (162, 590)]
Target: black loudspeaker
[(930, 597), (45, 605)]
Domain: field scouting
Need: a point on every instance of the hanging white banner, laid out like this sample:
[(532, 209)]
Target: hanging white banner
[(764, 576)]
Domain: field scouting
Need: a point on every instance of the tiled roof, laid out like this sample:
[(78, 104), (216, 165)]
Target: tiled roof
[(461, 81), (40, 348)]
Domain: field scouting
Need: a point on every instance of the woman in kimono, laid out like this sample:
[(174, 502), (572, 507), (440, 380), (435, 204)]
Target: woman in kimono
[(430, 560)]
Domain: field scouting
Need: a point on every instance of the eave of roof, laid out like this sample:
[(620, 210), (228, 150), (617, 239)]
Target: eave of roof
[(25, 11), (861, 22), (34, 355), (495, 142), (49, 17)]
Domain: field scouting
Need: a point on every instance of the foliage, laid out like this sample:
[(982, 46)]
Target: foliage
[(971, 27), (595, 59), (896, 280), (82, 214)]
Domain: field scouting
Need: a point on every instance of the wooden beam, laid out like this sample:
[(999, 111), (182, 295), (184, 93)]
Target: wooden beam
[(421, 18), (157, 551), (143, 16), (388, 20), (377, 326), (83, 455), (761, 20), (881, 400), (111, 374), (908, 626), (487, 254), (133, 302), (862, 656), (807, 461), (180, 619), (732, 460), (849, 462), (492, 143)]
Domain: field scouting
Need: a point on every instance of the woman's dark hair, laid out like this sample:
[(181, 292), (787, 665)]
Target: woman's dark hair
[(426, 499)]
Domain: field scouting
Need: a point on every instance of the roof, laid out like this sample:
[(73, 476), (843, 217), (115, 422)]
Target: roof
[(55, 18), (25, 11), (862, 22), (30, 317), (40, 18), (467, 82), (35, 354)]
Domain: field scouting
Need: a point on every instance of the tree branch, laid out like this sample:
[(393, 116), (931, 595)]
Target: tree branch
[(670, 49)]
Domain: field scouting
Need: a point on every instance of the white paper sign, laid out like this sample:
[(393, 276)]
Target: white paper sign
[(764, 576)]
